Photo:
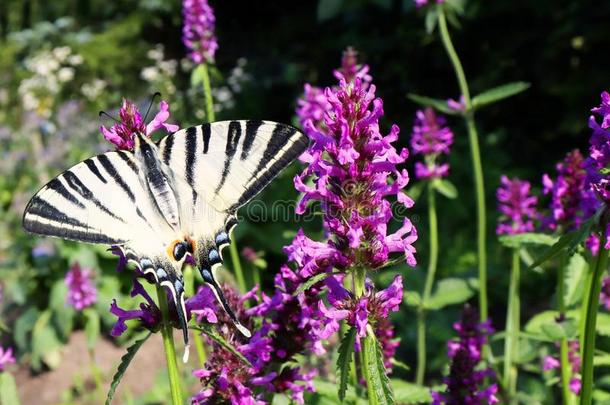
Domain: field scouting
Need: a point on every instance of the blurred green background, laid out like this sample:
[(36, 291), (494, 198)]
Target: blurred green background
[(62, 61)]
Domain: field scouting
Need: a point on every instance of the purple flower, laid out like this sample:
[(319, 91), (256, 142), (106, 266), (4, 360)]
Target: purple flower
[(465, 379), (572, 202), (198, 31), (314, 105), (457, 105), (551, 363), (6, 357), (604, 295), (430, 138), (122, 133), (353, 169), (81, 290), (225, 378), (422, 3), (249, 254), (516, 206), (148, 314)]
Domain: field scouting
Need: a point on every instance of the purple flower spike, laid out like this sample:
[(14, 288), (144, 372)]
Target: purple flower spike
[(430, 138), (81, 289), (465, 379), (517, 207), (149, 314), (6, 357), (350, 70), (198, 31), (122, 134)]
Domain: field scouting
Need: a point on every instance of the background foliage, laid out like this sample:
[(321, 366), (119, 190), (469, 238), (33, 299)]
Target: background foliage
[(267, 51)]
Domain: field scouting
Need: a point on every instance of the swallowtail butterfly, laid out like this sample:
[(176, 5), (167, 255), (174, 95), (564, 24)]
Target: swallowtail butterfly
[(170, 201)]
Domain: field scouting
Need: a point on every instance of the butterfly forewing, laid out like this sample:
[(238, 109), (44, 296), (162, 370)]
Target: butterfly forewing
[(229, 162), (100, 200)]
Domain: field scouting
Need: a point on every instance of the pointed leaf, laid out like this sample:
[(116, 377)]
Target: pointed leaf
[(439, 104), (213, 334), (431, 20), (567, 243), (125, 361), (530, 238), (451, 291), (310, 283), (380, 391), (446, 188), (346, 348), (499, 93), (575, 273), (8, 390)]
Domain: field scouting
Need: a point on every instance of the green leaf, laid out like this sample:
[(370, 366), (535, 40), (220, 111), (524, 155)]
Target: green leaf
[(439, 104), (559, 330), (125, 361), (409, 393), (380, 391), (8, 390), (197, 76), (346, 348), (499, 93), (416, 189), (530, 238), (451, 291), (45, 343), (213, 334), (575, 273), (412, 298), (63, 315), (24, 325), (92, 327), (310, 283), (567, 243), (446, 188), (431, 20), (603, 324)]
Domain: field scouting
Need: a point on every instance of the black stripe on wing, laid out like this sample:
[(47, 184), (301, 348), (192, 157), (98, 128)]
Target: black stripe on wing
[(232, 141)]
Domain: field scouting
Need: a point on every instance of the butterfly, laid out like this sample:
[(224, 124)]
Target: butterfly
[(168, 202)]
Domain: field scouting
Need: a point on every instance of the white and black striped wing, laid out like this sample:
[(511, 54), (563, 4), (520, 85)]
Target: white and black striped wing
[(229, 162), (100, 200)]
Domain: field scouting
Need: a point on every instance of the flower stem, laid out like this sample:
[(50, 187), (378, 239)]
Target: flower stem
[(601, 264), (239, 274), (190, 290), (359, 287), (511, 343), (207, 94), (567, 396), (475, 153), (170, 351), (432, 264)]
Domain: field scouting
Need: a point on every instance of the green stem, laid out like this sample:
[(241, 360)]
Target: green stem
[(511, 343), (475, 153), (566, 372), (432, 264), (601, 264), (584, 305), (359, 287), (170, 351), (189, 278), (239, 273), (207, 93)]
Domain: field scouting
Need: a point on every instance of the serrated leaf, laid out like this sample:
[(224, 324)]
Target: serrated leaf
[(439, 104), (92, 327), (125, 361), (451, 291), (499, 93), (310, 283), (344, 361), (446, 188), (213, 334), (409, 393), (567, 243), (530, 238), (8, 390), (379, 390)]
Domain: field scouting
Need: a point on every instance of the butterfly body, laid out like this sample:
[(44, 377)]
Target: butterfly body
[(167, 202)]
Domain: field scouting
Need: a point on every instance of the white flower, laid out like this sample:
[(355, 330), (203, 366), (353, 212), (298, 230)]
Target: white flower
[(156, 53), (61, 53), (150, 74), (65, 74), (75, 60), (94, 89)]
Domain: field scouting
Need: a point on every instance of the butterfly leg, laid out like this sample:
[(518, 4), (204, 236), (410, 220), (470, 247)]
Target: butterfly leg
[(208, 277)]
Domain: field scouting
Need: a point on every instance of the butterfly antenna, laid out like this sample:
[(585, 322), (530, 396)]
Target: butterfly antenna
[(104, 113), (152, 100), (209, 279)]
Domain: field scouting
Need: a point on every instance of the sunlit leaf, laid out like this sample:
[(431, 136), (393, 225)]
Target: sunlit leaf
[(496, 94), (409, 393), (310, 283), (451, 291), (529, 238), (8, 390)]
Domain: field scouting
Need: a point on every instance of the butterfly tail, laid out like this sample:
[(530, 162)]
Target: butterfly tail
[(208, 277)]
